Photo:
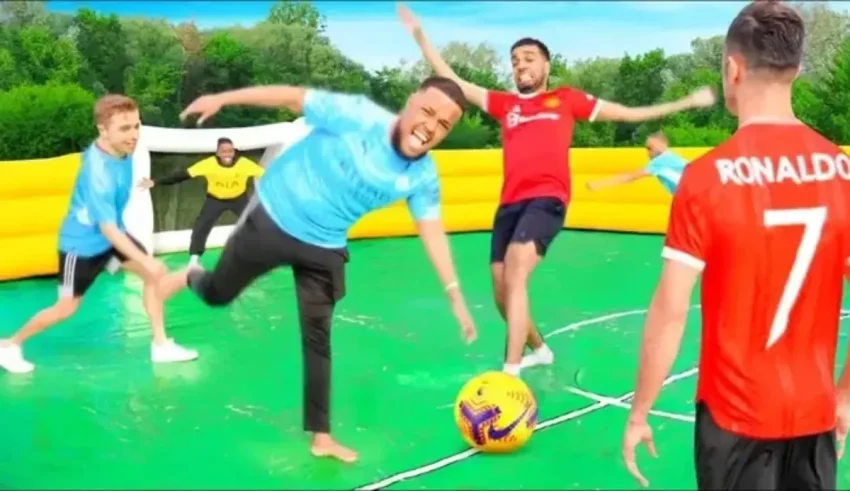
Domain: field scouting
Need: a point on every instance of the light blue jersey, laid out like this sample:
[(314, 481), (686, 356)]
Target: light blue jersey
[(667, 168), (344, 168), (101, 193)]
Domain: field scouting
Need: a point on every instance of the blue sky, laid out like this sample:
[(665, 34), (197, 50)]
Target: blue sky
[(369, 33)]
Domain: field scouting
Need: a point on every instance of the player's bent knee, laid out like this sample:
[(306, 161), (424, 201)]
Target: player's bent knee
[(201, 283)]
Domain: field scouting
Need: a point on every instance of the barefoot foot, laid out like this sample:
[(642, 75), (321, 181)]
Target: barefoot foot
[(325, 446)]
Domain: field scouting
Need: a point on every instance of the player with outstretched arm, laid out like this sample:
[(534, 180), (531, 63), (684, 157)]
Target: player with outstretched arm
[(663, 165), (537, 128), (357, 158)]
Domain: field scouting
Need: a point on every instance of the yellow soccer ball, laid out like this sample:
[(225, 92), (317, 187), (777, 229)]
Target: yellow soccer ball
[(496, 412)]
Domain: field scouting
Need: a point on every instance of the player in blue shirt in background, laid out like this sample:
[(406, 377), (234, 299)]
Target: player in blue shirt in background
[(358, 157), (664, 165), (93, 237)]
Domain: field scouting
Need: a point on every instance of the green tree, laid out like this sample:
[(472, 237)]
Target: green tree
[(640, 82), (156, 69), (297, 13), (24, 13), (44, 120), (102, 45), (826, 30), (481, 58), (833, 97), (40, 57)]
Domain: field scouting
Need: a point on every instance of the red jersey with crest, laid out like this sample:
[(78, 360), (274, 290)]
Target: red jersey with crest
[(537, 131), (767, 215)]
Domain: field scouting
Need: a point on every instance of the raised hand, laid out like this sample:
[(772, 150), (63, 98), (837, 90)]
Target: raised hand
[(205, 107), (408, 20), (703, 97)]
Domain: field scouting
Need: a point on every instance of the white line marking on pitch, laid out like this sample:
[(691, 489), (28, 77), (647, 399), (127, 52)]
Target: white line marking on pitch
[(623, 404), (418, 471), (601, 402), (425, 469)]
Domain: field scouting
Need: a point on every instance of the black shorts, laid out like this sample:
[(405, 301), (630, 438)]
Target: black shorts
[(728, 461), (77, 273), (258, 246), (535, 220)]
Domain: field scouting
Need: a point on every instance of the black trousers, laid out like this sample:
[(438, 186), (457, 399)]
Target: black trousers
[(258, 246), (209, 214), (728, 461)]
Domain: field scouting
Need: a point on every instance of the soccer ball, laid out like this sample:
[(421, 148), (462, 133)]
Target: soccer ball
[(496, 412)]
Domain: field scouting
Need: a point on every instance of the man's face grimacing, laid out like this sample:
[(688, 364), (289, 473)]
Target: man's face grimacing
[(427, 118), (530, 68)]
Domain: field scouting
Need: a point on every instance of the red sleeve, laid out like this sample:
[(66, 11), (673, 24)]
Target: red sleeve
[(688, 232), (498, 104), (582, 105)]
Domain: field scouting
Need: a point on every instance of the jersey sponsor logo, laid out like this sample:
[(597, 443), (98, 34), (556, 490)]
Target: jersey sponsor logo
[(516, 118), (799, 169)]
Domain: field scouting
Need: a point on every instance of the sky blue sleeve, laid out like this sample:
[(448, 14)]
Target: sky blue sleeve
[(100, 195), (655, 165), (424, 203), (341, 113)]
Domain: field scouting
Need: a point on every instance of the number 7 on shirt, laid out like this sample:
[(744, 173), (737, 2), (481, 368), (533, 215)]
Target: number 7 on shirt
[(812, 220)]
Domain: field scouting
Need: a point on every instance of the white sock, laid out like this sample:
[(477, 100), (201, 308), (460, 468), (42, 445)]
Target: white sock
[(193, 260), (512, 369)]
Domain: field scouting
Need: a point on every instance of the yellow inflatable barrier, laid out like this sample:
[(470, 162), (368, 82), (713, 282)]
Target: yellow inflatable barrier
[(34, 196), (471, 180)]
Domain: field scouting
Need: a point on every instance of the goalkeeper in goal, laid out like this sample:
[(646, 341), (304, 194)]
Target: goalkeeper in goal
[(227, 174)]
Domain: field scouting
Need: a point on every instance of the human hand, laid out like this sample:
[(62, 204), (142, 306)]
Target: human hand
[(467, 326), (703, 97), (145, 183), (408, 20), (205, 107), (842, 424), (637, 432)]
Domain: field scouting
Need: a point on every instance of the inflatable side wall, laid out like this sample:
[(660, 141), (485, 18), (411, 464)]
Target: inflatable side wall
[(34, 195)]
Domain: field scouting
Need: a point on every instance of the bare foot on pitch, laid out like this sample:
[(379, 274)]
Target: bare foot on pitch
[(325, 446)]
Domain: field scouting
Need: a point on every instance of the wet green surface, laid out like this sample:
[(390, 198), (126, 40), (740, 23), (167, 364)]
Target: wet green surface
[(96, 414)]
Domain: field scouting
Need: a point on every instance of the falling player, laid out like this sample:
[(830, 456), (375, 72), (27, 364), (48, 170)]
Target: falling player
[(357, 158), (537, 127), (93, 237), (664, 165), (764, 217)]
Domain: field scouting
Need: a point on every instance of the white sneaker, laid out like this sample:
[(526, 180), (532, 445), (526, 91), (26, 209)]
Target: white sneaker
[(541, 356), (12, 359), (171, 352)]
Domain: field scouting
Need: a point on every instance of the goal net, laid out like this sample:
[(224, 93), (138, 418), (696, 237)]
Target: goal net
[(161, 218)]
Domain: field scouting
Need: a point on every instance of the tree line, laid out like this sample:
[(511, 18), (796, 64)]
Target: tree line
[(54, 65)]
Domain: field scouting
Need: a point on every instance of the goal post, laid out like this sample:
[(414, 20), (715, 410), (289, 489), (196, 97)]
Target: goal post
[(139, 216)]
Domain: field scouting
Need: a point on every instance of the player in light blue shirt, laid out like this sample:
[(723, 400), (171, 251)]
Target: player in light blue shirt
[(357, 158), (664, 165), (93, 237)]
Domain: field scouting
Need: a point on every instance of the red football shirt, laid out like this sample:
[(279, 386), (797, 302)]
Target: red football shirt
[(537, 131), (767, 215)]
